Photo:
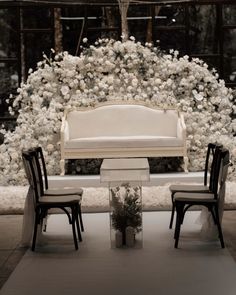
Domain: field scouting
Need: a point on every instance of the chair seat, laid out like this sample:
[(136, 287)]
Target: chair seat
[(188, 188), (63, 191), (59, 199), (194, 197)]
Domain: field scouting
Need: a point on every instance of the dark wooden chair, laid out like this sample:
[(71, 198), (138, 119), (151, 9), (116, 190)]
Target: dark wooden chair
[(211, 200), (44, 203), (205, 187), (52, 191)]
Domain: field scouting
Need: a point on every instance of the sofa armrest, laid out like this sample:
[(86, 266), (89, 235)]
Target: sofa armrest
[(64, 137), (181, 128), (64, 130)]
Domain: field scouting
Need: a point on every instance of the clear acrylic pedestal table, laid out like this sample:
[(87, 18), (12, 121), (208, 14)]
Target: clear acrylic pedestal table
[(124, 178)]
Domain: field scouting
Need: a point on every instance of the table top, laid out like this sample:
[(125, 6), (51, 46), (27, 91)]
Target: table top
[(124, 169), (125, 164)]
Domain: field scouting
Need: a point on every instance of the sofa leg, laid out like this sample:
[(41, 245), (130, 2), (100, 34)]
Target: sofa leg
[(185, 164), (62, 166)]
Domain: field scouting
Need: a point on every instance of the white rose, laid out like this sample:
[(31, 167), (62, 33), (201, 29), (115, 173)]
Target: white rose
[(50, 147), (14, 156), (197, 95), (65, 90)]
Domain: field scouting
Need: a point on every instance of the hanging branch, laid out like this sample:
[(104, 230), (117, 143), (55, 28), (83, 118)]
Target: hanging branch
[(124, 6)]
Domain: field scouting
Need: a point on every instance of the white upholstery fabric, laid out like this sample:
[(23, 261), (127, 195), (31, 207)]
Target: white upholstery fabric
[(194, 196), (180, 132), (63, 191), (188, 188), (66, 132), (122, 120), (124, 142)]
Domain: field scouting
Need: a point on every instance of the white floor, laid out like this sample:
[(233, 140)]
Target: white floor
[(198, 267)]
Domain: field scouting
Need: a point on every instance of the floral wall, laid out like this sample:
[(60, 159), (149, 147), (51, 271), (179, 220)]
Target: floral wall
[(117, 70)]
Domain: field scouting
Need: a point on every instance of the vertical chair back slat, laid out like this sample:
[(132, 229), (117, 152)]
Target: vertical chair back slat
[(211, 148), (42, 164), (210, 151), (30, 174), (38, 171), (222, 178), (215, 171)]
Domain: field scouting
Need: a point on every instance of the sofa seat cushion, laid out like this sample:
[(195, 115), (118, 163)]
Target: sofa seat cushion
[(123, 142)]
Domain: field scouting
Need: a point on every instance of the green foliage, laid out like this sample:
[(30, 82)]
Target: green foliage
[(127, 208)]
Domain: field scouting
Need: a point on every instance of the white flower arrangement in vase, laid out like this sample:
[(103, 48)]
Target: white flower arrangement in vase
[(126, 212)]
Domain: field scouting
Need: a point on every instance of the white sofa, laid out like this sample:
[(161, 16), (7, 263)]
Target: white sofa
[(121, 130)]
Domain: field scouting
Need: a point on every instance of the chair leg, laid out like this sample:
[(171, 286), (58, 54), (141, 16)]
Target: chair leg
[(219, 227), (177, 232), (179, 220), (67, 213), (80, 219), (45, 219), (213, 215), (77, 222), (36, 222), (172, 215), (73, 228)]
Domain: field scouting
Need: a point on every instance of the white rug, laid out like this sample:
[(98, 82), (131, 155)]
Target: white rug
[(198, 267), (12, 198)]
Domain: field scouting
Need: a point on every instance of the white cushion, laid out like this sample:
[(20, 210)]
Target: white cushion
[(59, 199), (188, 188), (63, 191), (124, 142), (194, 196)]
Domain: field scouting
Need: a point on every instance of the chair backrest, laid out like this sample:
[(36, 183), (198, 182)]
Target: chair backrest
[(214, 167), (42, 163), (209, 160), (38, 169), (222, 183), (26, 159), (31, 173), (41, 169), (219, 170), (225, 162)]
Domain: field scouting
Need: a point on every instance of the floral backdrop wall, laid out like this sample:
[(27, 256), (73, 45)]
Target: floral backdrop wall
[(117, 70)]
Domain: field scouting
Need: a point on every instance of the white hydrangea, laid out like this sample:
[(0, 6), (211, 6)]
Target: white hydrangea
[(111, 70)]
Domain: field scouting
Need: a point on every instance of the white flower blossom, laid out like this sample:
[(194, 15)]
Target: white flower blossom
[(65, 90), (50, 147)]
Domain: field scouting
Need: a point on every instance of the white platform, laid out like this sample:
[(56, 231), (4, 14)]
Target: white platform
[(94, 180), (197, 267)]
